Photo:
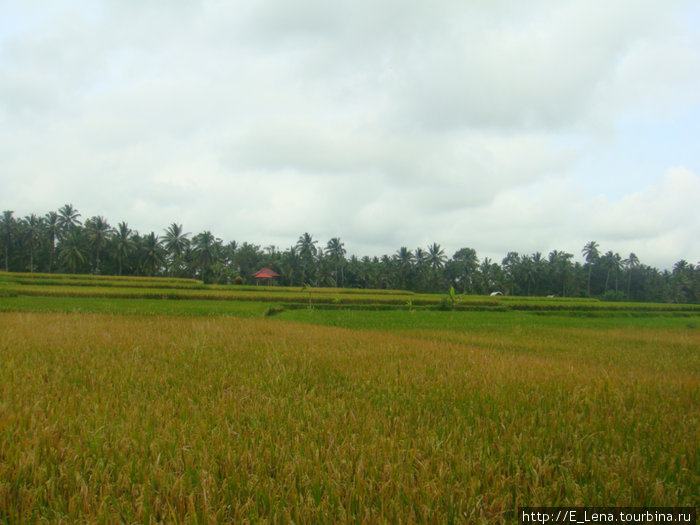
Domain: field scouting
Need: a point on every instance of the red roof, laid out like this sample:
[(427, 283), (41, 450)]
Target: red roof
[(265, 273)]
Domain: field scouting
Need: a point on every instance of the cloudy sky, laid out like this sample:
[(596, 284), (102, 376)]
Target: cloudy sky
[(499, 125)]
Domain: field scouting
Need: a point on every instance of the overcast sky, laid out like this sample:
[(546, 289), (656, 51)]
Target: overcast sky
[(498, 125)]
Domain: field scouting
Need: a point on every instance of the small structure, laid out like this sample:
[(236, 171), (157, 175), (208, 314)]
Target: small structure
[(266, 274), (493, 294)]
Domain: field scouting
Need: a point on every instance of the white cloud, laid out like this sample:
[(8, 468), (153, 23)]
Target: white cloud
[(398, 123)]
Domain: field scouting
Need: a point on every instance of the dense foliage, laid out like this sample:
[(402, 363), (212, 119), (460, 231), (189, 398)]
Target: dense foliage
[(61, 242)]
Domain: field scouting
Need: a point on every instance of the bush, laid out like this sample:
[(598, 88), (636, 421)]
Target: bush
[(612, 295), (445, 304)]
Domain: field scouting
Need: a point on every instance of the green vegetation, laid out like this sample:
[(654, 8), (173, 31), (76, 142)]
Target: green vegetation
[(60, 242), (83, 286), (114, 418), (375, 407)]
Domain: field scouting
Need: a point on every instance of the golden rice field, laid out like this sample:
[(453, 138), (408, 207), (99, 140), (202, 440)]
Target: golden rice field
[(176, 419)]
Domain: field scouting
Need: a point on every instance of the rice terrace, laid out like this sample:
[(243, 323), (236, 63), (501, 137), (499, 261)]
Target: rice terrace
[(157, 400)]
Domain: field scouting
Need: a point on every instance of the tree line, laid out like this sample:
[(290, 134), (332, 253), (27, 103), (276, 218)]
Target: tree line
[(60, 241)]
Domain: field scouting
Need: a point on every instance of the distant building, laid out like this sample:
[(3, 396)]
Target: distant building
[(265, 274)]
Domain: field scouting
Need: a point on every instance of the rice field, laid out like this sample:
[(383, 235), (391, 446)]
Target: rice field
[(388, 417), (114, 288)]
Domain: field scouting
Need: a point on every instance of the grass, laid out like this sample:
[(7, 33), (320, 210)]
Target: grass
[(489, 321), (133, 306), (147, 410), (113, 418)]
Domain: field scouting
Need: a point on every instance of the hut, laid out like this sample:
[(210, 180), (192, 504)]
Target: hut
[(266, 275)]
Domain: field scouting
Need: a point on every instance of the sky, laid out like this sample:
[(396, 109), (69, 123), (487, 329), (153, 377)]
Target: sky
[(498, 125)]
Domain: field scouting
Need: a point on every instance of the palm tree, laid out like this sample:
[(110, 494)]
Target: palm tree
[(68, 218), (385, 272), (326, 275), (420, 257), (630, 263), (527, 268), (7, 231), (98, 234), (31, 226), (436, 260), (306, 247), (175, 243), (72, 249), (122, 244), (335, 250), (539, 265), (560, 263), (205, 251), (612, 262), (290, 265), (53, 231), (590, 252), (404, 258), (153, 257), (681, 281), (436, 256)]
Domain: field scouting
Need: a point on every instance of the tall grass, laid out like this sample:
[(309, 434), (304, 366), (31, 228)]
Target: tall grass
[(109, 418)]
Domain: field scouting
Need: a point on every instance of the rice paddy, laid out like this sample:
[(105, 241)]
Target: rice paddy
[(155, 411)]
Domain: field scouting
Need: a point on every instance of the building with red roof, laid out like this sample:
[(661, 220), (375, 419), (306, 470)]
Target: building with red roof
[(265, 273)]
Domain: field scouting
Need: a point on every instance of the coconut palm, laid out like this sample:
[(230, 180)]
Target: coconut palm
[(122, 244), (436, 256), (539, 267), (306, 248), (52, 231), (630, 263), (420, 256), (68, 218), (290, 265), (560, 264), (205, 250), (306, 245), (404, 260), (527, 270), (436, 260), (98, 233), (511, 267), (335, 250), (612, 262), (7, 232), (152, 254), (590, 252), (175, 243), (72, 251), (31, 233)]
